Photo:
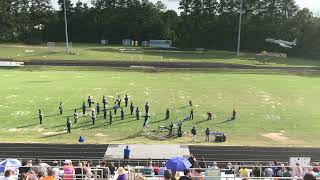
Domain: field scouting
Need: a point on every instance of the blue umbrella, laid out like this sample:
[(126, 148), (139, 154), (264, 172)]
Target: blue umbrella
[(9, 164), (178, 164)]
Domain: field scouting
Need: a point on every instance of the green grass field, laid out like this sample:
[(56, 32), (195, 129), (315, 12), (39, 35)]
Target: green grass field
[(21, 52), (273, 110)]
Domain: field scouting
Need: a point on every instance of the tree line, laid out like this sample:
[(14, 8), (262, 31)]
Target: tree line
[(209, 24)]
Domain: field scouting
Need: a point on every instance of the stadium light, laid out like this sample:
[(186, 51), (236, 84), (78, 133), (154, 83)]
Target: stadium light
[(66, 25), (239, 31)]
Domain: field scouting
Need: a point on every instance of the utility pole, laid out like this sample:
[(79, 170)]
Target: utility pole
[(239, 31), (66, 25)]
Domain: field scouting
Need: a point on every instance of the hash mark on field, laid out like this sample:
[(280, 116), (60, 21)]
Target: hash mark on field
[(11, 96), (3, 106), (13, 130), (20, 113)]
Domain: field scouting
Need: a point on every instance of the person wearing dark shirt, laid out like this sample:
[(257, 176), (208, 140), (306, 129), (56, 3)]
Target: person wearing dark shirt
[(147, 107), (83, 108), (40, 116), (79, 171), (110, 118), (209, 115), (126, 99), (89, 101), (122, 114), (190, 103), (234, 114), (137, 113), (207, 134), (192, 160), (194, 133), (126, 153), (187, 175), (309, 176), (75, 116), (230, 169), (171, 128), (131, 108), (104, 112), (60, 108), (179, 129), (104, 101), (287, 173), (167, 113), (98, 108), (112, 168), (68, 125), (115, 107), (25, 167), (191, 114), (145, 123)]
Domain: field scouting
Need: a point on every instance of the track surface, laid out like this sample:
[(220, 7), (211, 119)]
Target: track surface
[(183, 65), (208, 153)]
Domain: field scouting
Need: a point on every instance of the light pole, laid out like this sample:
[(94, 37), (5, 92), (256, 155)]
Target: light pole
[(239, 31), (66, 25)]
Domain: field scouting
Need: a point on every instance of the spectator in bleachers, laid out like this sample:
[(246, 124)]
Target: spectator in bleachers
[(23, 176), (25, 167), (41, 175), (39, 166), (197, 175), (155, 168), (309, 176), (105, 169), (167, 175), (56, 169), (112, 168), (214, 165), (122, 175), (308, 170), (187, 175), (256, 172), (147, 171), (87, 169), (316, 172), (297, 171), (79, 171), (243, 171), (68, 170), (279, 171), (192, 160), (287, 172), (7, 175), (50, 175), (268, 172), (162, 169), (229, 169)]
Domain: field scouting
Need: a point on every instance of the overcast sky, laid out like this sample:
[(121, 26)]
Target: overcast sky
[(313, 5)]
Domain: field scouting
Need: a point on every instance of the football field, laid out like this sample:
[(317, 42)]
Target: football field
[(273, 110)]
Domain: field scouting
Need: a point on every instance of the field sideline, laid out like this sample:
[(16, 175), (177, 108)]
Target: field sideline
[(89, 52), (274, 110)]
